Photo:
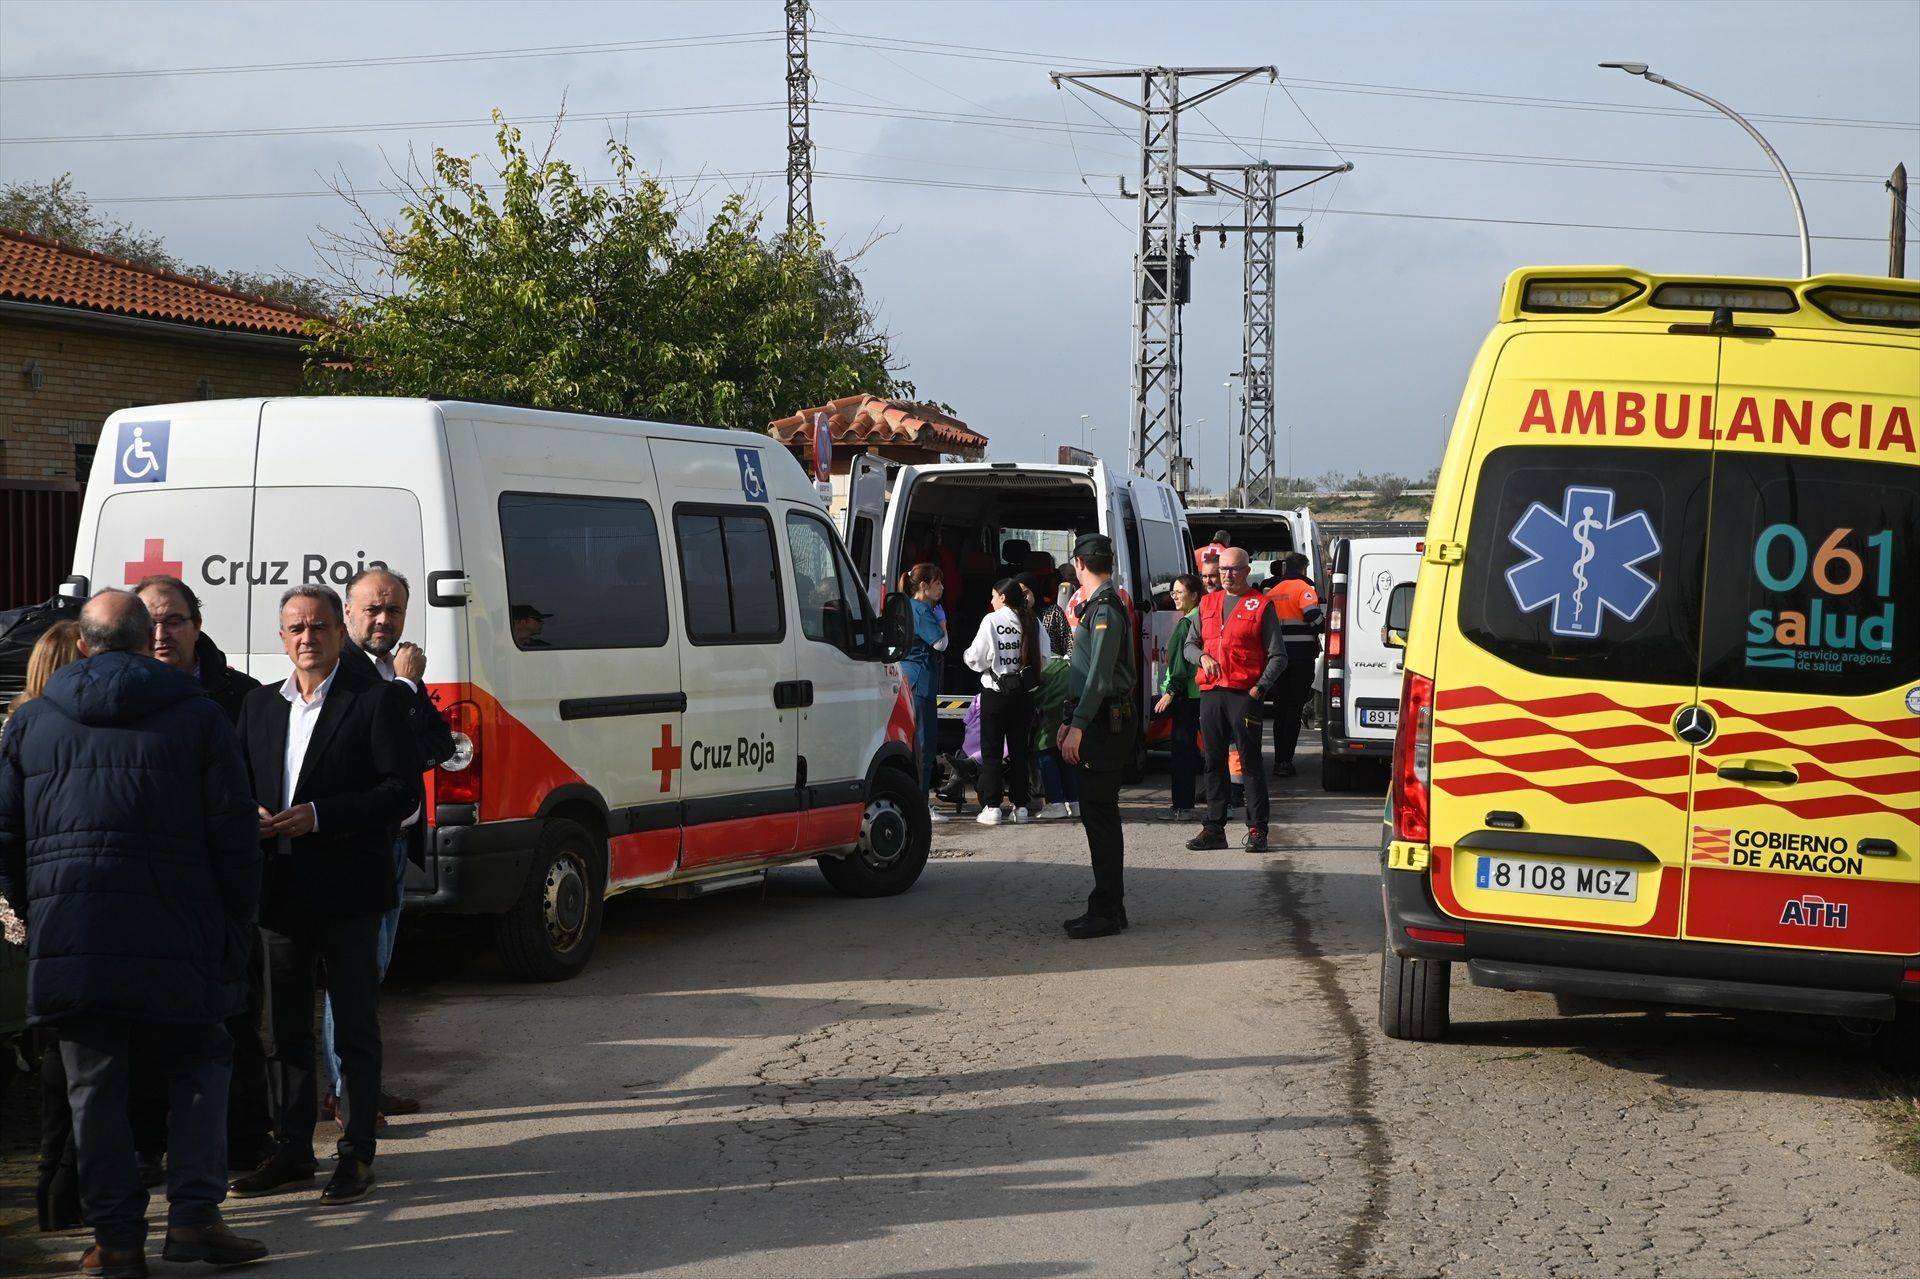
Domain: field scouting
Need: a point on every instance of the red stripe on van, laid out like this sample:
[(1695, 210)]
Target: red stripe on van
[(1821, 717), (1851, 750), (1659, 768), (648, 852), (1574, 793), (1573, 704), (1719, 799), (1504, 729), (835, 827)]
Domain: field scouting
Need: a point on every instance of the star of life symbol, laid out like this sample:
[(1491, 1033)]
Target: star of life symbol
[(1582, 562)]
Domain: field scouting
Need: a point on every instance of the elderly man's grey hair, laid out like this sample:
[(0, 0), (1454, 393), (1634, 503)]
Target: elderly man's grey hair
[(115, 621)]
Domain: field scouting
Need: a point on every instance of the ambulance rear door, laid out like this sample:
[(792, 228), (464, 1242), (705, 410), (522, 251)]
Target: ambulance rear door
[(172, 492), (1806, 806), (865, 516), (1570, 633)]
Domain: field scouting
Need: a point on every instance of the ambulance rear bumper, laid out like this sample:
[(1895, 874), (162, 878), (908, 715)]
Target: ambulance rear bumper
[(1647, 969), (475, 870)]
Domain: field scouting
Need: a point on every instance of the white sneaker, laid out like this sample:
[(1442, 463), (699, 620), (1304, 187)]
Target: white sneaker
[(936, 816), (991, 816), (1073, 808), (1021, 815), (1053, 812)]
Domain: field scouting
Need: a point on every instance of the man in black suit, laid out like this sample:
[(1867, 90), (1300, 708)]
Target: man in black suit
[(334, 771)]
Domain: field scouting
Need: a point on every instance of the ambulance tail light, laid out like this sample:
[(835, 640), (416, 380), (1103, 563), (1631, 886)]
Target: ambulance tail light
[(1868, 306), (458, 780), (1336, 694), (1412, 759)]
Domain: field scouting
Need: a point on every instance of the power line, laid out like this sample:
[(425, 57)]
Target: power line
[(394, 126), (411, 59)]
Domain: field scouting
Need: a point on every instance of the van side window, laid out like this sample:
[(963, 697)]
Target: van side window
[(1165, 555), (729, 575), (582, 572), (1585, 563), (1812, 584), (832, 604)]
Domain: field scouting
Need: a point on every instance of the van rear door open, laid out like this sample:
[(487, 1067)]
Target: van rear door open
[(1806, 800), (1575, 620)]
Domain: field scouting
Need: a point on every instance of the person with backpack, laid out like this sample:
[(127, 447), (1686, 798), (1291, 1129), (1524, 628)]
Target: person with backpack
[(1006, 652)]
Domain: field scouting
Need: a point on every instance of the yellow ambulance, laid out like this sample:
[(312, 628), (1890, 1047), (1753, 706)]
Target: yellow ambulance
[(1659, 732)]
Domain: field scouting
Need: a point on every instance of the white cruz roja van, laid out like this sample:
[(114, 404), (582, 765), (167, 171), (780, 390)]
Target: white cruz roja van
[(1360, 706), (661, 666), (968, 516)]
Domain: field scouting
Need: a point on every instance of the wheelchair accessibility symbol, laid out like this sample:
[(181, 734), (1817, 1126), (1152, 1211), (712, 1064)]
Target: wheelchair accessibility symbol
[(143, 453), (753, 486)]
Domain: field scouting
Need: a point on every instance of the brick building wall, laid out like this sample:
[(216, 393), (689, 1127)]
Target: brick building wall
[(45, 433)]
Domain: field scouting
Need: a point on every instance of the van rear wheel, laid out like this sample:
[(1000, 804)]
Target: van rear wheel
[(896, 835), (1413, 996), (549, 932), (1336, 772)]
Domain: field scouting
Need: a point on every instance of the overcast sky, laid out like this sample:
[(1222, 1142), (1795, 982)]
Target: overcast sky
[(1478, 132)]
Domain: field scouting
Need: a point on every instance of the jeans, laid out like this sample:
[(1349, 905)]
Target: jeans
[(389, 929), (1006, 724), (1061, 782), (926, 717), (195, 1060)]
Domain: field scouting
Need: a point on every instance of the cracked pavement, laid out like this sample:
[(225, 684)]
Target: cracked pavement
[(792, 1083)]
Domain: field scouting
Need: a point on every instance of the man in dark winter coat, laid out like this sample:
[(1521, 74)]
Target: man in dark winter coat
[(180, 643), (127, 834)]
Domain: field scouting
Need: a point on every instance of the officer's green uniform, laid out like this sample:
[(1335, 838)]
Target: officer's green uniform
[(1100, 702)]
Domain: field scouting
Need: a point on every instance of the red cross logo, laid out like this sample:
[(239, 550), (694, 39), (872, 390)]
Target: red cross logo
[(156, 561), (666, 758)]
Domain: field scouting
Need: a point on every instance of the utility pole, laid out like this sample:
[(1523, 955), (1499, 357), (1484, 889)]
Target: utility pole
[(1897, 238), (1160, 259), (799, 131), (1259, 194)]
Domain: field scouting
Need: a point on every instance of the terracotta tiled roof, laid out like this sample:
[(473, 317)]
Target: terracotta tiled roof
[(33, 269), (870, 420)]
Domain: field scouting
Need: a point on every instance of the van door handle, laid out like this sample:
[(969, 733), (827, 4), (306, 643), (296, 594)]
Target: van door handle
[(1740, 773), (792, 694)]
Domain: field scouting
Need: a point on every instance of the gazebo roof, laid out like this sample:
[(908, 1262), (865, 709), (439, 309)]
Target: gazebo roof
[(873, 422)]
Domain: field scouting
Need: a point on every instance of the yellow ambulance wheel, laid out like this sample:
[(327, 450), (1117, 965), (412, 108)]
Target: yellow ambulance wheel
[(1413, 996), (896, 836), (1897, 1043), (549, 932)]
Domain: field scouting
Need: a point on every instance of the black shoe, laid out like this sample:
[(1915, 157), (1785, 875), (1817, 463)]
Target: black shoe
[(216, 1244), (1285, 768), (283, 1167), (352, 1179), (1069, 923), (1256, 839), (1210, 836), (1094, 926)]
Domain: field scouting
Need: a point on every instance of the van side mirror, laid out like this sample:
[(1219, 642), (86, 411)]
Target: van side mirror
[(895, 634), (1399, 616)]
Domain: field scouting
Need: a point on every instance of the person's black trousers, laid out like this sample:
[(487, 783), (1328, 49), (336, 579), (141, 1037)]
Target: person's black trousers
[(1290, 699), (1105, 747), (1230, 718), (194, 1060), (249, 1104), (347, 947), (1186, 749), (1006, 724)]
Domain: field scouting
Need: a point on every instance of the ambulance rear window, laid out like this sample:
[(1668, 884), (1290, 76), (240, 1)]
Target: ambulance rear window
[(1813, 584), (1585, 563)]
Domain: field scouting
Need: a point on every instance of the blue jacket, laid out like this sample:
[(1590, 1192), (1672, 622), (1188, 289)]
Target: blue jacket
[(921, 664), (129, 842)]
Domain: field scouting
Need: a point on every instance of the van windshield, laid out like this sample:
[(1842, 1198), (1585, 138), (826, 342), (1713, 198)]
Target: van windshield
[(1813, 583), (1585, 564)]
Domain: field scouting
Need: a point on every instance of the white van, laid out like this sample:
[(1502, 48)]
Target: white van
[(970, 516), (665, 670), (1267, 536), (1360, 706)]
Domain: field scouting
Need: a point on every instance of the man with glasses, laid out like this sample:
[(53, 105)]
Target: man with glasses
[(1241, 652), (334, 771), (180, 643)]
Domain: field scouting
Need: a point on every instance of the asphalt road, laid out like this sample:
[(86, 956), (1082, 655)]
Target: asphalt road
[(791, 1083)]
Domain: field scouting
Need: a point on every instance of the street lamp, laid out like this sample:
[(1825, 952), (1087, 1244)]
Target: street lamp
[(1799, 210), (1184, 464), (1083, 429)]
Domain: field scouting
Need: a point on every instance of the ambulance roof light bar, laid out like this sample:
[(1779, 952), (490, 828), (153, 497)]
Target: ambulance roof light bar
[(1799, 210)]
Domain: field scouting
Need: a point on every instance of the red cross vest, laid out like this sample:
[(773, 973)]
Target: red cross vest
[(1237, 644)]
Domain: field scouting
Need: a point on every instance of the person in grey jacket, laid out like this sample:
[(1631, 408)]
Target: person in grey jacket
[(127, 835)]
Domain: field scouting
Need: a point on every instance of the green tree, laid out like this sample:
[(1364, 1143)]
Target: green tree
[(541, 288), (58, 210)]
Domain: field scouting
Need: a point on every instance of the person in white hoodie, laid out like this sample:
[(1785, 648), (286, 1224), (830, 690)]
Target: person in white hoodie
[(1006, 652)]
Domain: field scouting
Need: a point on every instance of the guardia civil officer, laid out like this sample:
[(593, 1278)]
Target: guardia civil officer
[(1097, 727)]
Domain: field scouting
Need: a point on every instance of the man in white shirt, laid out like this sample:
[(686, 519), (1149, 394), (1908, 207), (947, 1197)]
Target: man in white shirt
[(334, 771)]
